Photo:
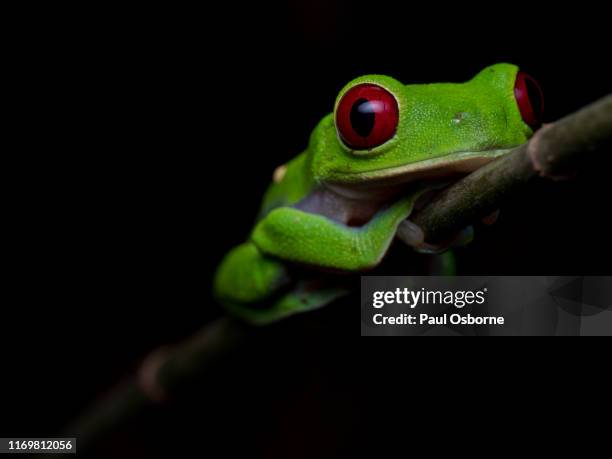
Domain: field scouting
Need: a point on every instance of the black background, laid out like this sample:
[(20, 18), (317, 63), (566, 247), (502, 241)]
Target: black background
[(148, 139)]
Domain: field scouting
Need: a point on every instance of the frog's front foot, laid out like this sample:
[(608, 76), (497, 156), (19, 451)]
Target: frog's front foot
[(411, 234)]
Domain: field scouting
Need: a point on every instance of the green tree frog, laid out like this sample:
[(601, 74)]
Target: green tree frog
[(337, 206)]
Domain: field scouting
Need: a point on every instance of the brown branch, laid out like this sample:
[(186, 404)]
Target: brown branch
[(160, 375), (557, 149)]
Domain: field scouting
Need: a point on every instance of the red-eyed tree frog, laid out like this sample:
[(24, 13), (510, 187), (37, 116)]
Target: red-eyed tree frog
[(337, 206)]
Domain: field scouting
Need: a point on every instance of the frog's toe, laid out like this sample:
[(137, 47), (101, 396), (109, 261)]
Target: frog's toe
[(412, 234), (460, 239)]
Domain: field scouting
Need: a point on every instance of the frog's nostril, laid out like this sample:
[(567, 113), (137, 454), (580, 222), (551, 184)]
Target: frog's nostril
[(458, 118)]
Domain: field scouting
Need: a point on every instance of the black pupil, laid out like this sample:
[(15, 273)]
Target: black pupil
[(363, 117), (534, 97)]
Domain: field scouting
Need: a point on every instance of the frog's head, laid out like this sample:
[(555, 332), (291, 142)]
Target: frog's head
[(382, 131)]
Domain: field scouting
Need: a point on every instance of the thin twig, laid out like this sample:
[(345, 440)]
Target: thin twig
[(159, 376)]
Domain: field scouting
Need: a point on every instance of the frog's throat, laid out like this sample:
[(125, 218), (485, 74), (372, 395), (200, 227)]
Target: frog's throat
[(355, 201), (435, 168)]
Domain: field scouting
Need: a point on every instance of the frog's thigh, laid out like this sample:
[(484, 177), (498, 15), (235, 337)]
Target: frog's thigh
[(247, 276)]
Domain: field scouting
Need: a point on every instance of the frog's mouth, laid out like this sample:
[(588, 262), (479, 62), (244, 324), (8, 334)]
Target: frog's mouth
[(355, 200), (450, 165)]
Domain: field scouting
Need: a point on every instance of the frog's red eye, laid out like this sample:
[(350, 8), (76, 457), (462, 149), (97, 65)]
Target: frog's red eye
[(366, 116), (529, 98)]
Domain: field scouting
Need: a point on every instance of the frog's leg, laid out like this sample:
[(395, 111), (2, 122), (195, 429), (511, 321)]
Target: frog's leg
[(259, 289), (245, 276), (312, 239)]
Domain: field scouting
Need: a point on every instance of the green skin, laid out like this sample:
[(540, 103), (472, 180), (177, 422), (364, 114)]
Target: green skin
[(444, 129)]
